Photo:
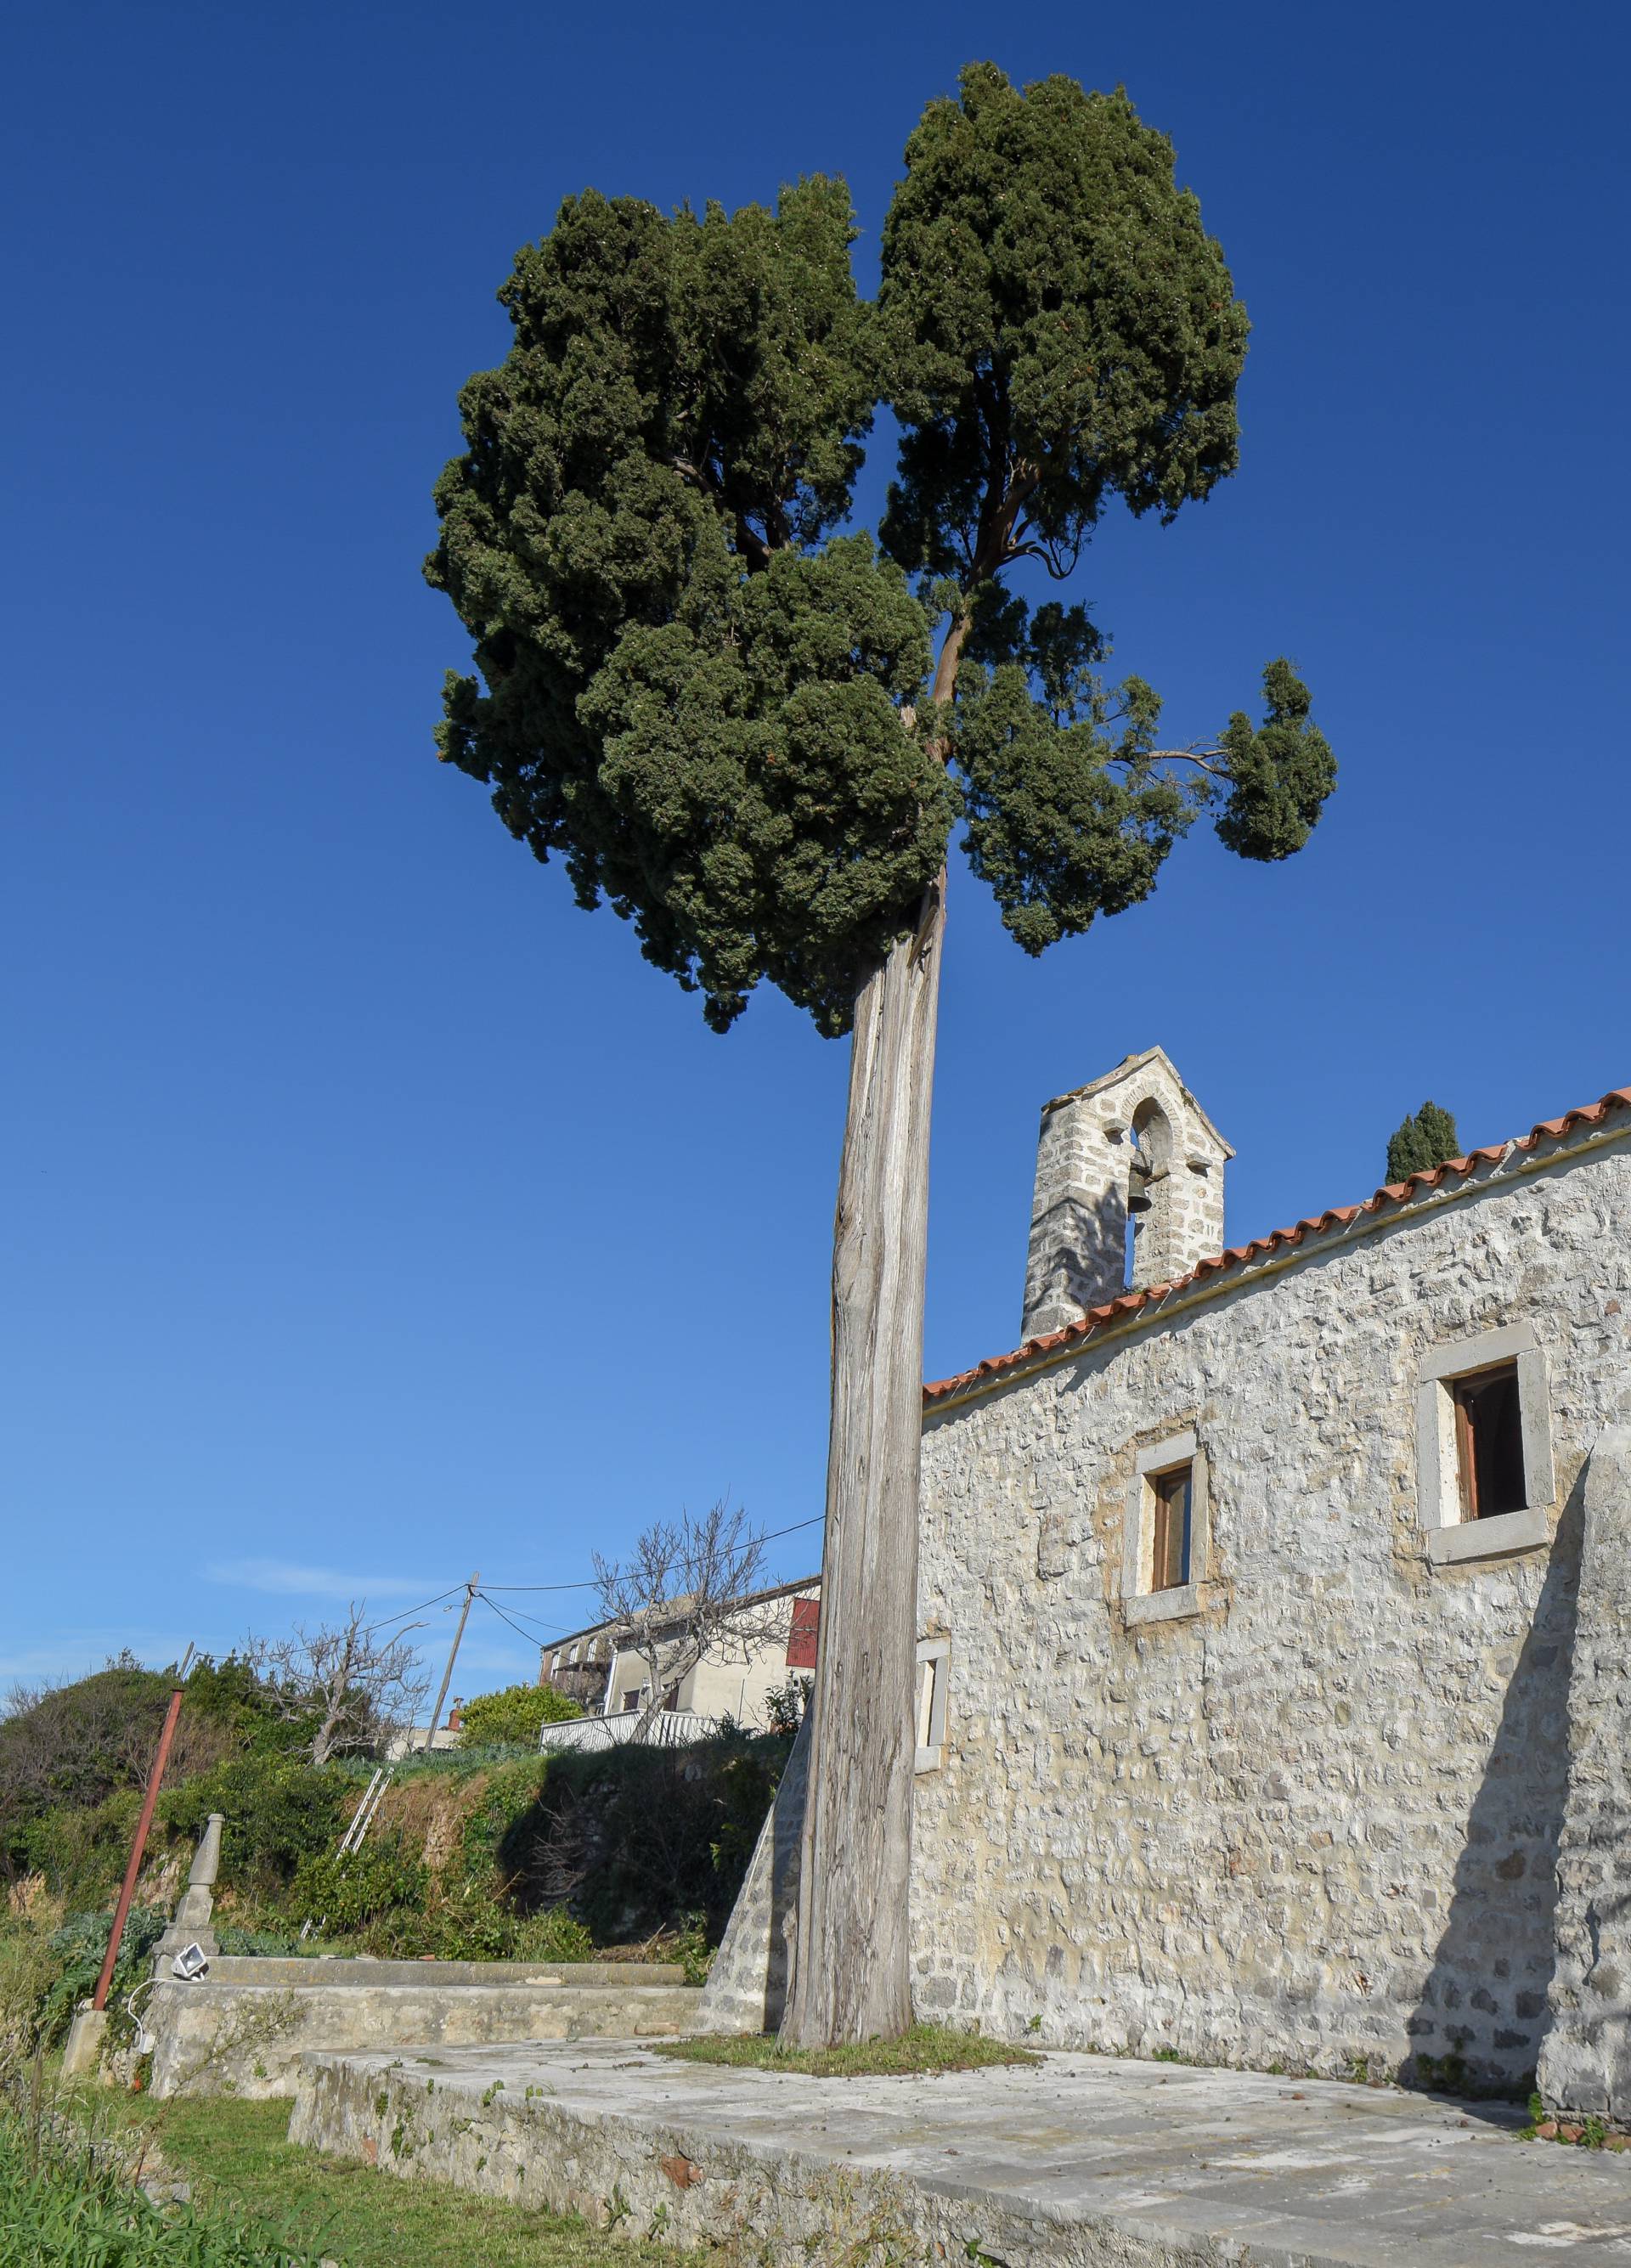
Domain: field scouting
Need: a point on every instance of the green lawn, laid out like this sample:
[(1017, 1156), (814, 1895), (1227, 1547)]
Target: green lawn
[(363, 2218), (926, 2048)]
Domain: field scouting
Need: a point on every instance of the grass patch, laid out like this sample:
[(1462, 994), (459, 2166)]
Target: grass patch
[(67, 2201), (926, 2048), (236, 2154)]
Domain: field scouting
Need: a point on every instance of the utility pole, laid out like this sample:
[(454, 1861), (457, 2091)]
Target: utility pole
[(453, 1655)]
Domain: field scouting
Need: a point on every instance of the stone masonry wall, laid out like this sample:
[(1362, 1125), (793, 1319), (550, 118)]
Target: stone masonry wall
[(1316, 1822)]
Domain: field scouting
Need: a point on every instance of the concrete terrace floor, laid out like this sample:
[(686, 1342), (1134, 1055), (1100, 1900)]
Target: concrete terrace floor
[(1080, 2159)]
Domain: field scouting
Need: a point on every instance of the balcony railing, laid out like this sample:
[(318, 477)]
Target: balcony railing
[(670, 1729)]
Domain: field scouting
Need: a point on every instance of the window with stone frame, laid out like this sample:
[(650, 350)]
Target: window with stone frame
[(933, 1695), (1484, 1478), (1166, 1537)]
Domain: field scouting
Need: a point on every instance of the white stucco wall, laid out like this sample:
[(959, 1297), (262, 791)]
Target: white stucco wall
[(735, 1686), (1317, 1820)]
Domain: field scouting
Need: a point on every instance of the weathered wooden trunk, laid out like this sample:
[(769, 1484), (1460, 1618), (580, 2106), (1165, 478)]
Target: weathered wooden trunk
[(851, 1980)]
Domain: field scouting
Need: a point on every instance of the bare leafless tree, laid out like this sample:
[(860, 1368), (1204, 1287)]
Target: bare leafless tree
[(354, 1685), (689, 1592)]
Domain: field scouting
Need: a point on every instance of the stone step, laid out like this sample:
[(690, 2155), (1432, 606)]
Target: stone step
[(224, 2036)]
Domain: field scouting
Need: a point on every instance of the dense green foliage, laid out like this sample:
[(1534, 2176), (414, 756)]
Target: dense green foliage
[(79, 1949), (514, 1716), (714, 703), (1427, 1138), (280, 1810), (75, 1759), (340, 1895), (493, 1854), (638, 1839)]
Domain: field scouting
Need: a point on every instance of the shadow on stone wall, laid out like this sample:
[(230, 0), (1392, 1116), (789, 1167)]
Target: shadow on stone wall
[(1079, 1258), (747, 1987), (1482, 2012)]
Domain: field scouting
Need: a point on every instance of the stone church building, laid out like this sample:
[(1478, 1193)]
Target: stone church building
[(1279, 1726), (1274, 1604)]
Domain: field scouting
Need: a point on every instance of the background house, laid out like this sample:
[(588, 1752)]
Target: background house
[(606, 1678)]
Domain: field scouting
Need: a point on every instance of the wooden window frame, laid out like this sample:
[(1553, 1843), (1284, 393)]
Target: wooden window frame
[(1454, 1531), (1169, 1568), (1141, 1601)]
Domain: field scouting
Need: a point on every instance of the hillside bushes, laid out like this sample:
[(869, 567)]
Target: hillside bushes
[(635, 1840), (279, 1811), (490, 1854)]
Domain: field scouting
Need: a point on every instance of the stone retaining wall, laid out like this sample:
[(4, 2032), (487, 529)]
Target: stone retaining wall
[(229, 2036)]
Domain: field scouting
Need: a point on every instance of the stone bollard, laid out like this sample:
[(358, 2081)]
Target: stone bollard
[(193, 1915), (83, 2051)]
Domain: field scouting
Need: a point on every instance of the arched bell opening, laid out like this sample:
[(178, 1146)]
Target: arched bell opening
[(1151, 1204)]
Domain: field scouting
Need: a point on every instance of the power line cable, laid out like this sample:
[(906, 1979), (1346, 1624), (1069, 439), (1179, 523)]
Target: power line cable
[(386, 1621), (503, 1617), (774, 1536)]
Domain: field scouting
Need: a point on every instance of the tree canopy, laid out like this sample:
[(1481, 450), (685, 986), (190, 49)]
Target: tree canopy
[(514, 1716), (717, 703), (1425, 1139)]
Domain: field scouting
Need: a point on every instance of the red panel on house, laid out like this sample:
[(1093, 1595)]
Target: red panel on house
[(801, 1637)]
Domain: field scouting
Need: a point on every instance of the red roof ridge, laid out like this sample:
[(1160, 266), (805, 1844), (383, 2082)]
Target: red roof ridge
[(1415, 1187)]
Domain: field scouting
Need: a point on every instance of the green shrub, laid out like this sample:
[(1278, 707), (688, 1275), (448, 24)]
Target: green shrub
[(692, 1950), (278, 1810), (258, 1944), (70, 1747), (513, 1717), (474, 1928), (81, 1851), (345, 1893), (79, 1949)]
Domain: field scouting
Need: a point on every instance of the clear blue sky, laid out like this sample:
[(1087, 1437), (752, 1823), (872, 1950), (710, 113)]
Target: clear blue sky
[(372, 1214)]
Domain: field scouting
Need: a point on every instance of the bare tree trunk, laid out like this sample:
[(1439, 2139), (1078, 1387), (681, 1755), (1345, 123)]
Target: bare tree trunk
[(851, 1976), (663, 1683)]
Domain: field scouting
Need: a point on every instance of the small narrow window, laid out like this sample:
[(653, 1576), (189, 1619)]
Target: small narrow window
[(1169, 1558), (1489, 1442), (632, 1700), (934, 1663)]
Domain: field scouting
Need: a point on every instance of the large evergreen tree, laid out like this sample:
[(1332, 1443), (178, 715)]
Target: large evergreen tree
[(728, 715), (1425, 1139)]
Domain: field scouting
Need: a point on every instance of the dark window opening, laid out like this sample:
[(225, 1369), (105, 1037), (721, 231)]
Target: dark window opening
[(632, 1700), (1489, 1442), (1169, 1561)]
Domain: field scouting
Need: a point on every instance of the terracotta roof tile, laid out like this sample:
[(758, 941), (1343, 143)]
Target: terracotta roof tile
[(1405, 1192)]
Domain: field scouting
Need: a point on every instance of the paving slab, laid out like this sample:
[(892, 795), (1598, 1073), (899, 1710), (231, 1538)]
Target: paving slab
[(1077, 2161)]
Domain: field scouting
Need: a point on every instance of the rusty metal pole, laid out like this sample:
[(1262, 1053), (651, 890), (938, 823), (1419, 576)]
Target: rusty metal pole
[(98, 1998)]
